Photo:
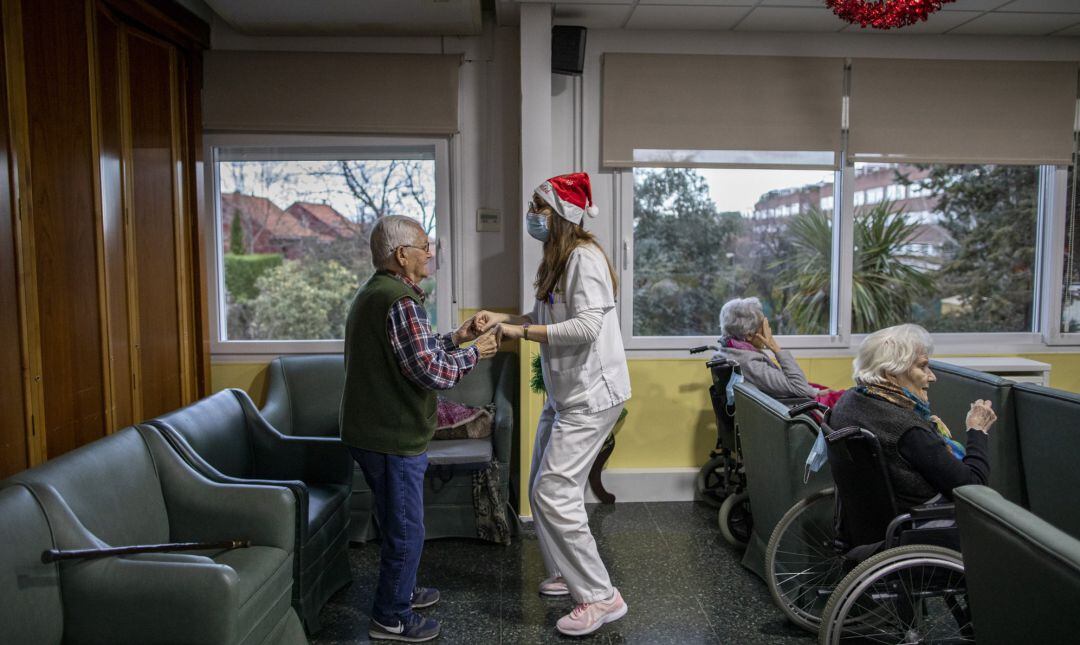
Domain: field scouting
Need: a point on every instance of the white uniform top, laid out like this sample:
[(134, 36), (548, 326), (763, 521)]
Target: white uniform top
[(588, 377)]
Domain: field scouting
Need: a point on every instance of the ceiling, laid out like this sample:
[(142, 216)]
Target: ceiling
[(463, 17)]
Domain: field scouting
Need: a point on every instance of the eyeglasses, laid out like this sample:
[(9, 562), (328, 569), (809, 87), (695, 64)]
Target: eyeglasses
[(425, 248), (534, 209)]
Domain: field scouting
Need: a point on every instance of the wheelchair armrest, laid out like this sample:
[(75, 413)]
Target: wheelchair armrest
[(933, 512)]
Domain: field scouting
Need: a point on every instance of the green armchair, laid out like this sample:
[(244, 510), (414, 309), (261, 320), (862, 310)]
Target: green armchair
[(132, 488), (224, 438), (303, 398), (1023, 574), (31, 609)]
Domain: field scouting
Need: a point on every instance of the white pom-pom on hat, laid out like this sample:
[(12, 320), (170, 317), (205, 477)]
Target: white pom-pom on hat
[(592, 210)]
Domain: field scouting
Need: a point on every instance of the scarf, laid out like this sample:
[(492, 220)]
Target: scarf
[(907, 399)]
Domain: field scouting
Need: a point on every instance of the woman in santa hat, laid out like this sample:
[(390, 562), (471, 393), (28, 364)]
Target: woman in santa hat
[(587, 384)]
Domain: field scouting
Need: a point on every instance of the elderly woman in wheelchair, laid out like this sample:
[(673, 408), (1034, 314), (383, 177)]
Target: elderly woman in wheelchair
[(876, 559)]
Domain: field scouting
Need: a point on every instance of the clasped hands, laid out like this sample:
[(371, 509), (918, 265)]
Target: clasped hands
[(484, 330)]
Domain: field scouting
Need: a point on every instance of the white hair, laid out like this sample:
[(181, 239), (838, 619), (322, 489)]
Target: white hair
[(391, 232), (741, 317), (892, 350)]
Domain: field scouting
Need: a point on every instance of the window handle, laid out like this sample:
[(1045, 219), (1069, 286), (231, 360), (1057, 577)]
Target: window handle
[(625, 254), (438, 254)]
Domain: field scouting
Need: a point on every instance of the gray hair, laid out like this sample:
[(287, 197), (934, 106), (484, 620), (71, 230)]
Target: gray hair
[(389, 233), (741, 317), (892, 350)]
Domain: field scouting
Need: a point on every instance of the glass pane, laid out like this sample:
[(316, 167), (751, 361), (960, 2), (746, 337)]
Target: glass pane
[(295, 239), (1070, 300), (955, 255), (704, 236)]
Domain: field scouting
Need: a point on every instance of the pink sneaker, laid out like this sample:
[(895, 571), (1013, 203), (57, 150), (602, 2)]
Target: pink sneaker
[(554, 586), (586, 618)]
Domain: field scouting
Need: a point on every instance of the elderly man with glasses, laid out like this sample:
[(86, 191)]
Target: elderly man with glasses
[(394, 363)]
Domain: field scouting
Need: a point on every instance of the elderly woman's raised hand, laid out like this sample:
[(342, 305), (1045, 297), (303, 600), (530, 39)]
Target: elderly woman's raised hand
[(981, 416), (764, 338)]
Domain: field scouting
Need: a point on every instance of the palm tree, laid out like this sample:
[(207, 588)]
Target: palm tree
[(885, 283)]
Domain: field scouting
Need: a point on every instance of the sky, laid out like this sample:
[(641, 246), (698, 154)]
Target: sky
[(739, 190)]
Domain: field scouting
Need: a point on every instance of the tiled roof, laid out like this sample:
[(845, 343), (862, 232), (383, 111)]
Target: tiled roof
[(324, 213), (262, 215)]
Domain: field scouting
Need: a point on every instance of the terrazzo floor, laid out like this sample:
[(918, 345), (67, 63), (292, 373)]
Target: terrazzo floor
[(682, 582)]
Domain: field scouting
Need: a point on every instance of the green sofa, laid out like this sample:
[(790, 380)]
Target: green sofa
[(132, 488), (1048, 427), (1023, 574), (951, 397), (303, 397), (224, 438), (774, 450)]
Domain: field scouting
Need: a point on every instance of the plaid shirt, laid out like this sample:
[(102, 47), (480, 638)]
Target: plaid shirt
[(430, 360)]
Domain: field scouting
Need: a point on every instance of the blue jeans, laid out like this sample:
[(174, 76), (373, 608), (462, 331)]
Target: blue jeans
[(398, 486)]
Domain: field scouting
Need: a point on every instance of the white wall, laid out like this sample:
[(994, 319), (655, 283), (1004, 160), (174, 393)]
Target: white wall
[(484, 154)]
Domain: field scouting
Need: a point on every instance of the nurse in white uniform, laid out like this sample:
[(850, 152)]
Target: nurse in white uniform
[(587, 384)]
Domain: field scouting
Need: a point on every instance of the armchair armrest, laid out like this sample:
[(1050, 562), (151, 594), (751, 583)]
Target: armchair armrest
[(177, 602), (316, 460), (502, 432), (204, 510)]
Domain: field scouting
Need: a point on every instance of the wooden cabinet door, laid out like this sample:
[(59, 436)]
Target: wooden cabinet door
[(157, 214), (64, 225), (14, 444)]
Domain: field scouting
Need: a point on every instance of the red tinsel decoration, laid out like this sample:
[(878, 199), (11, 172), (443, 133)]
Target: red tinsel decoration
[(884, 14)]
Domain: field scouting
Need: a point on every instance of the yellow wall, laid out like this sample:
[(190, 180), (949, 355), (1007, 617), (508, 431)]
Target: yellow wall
[(670, 422)]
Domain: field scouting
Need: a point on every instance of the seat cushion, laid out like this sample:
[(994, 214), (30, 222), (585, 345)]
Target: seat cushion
[(265, 576), (459, 452)]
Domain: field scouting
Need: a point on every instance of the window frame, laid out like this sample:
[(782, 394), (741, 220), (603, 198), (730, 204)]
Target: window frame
[(1046, 291), (213, 244)]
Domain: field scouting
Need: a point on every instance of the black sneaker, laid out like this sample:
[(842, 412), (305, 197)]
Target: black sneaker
[(416, 630), (424, 597)]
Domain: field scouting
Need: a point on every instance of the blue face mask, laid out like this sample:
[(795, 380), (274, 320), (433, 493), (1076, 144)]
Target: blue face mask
[(537, 226)]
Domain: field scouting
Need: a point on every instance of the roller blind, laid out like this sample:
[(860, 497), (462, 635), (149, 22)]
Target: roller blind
[(962, 111), (331, 92), (682, 110)]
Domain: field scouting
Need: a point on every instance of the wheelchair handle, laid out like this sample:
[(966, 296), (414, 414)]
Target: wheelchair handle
[(702, 348), (803, 408)]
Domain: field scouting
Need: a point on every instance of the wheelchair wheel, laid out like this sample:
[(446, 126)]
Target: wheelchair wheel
[(910, 594), (711, 481), (802, 565), (735, 520)]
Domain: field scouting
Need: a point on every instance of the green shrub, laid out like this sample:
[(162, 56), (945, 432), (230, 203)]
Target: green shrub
[(242, 273)]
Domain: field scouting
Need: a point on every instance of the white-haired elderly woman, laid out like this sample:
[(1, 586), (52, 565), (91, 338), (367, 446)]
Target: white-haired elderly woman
[(746, 336), (891, 399)]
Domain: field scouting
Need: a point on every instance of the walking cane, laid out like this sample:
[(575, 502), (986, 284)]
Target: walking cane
[(54, 555)]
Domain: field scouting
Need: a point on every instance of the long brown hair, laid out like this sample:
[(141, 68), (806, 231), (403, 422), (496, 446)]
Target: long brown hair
[(563, 237)]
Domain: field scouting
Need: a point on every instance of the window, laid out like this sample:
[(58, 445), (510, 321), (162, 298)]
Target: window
[(965, 266), (860, 198), (894, 192), (294, 220), (827, 203), (703, 236), (875, 195), (1070, 285)]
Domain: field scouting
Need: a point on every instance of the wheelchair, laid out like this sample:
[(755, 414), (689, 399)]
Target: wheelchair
[(721, 482), (846, 563)]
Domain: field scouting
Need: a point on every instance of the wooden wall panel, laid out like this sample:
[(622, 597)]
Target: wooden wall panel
[(153, 117), (112, 213), (14, 451), (64, 226)]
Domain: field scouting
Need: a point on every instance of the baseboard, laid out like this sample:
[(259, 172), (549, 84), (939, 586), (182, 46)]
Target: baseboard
[(648, 485), (644, 485)]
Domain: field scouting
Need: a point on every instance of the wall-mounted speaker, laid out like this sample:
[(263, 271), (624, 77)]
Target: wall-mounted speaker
[(567, 50)]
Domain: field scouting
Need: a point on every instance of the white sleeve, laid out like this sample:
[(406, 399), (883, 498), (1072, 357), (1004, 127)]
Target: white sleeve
[(584, 327), (588, 281)]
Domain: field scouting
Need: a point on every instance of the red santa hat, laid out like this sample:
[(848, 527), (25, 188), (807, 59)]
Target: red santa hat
[(570, 196)]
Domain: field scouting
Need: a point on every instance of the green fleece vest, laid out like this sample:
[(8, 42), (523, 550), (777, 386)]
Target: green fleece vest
[(381, 410)]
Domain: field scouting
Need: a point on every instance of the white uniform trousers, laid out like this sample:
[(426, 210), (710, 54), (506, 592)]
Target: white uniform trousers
[(566, 446)]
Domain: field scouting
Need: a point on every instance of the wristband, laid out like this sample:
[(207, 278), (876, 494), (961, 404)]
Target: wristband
[(525, 331)]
